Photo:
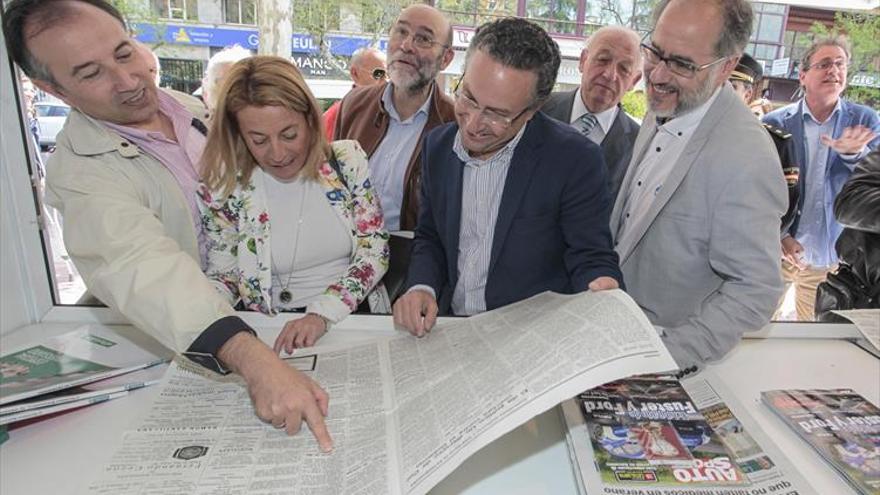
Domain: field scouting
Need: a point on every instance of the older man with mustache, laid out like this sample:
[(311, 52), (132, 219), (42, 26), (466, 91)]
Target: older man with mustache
[(697, 218), (831, 135), (389, 120)]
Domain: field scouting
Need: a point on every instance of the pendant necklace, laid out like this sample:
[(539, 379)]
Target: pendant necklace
[(286, 295)]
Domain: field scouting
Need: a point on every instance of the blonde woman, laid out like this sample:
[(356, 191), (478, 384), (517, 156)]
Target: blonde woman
[(292, 221)]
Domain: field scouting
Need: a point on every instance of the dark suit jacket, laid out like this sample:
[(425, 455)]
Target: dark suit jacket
[(617, 147), (552, 230)]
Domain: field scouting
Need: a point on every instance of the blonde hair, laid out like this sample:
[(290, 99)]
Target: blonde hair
[(258, 81)]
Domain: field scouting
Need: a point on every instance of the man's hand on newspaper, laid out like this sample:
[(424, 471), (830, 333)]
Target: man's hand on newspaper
[(282, 395), (603, 283), (416, 311)]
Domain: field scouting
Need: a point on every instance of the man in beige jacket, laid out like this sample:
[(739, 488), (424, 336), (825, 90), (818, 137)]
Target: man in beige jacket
[(124, 176)]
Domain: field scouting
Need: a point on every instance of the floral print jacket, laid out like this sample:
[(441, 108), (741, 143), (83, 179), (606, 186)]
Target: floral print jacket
[(238, 229)]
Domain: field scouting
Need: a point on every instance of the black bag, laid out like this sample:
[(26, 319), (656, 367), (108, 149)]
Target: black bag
[(844, 289)]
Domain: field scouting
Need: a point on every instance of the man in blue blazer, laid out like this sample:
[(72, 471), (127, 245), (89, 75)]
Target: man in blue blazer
[(831, 135), (513, 203)]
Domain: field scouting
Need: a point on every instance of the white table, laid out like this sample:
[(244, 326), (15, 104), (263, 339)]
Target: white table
[(62, 454)]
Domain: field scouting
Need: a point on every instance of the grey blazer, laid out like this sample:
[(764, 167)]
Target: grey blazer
[(705, 262), (618, 144)]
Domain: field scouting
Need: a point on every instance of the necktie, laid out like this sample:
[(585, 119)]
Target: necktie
[(585, 123)]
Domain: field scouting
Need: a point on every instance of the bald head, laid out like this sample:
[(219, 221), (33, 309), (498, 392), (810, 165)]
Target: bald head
[(615, 35), (610, 65), (442, 29), (363, 62)]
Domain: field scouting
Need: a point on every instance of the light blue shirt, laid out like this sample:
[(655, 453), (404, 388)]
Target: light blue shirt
[(814, 231), (389, 161)]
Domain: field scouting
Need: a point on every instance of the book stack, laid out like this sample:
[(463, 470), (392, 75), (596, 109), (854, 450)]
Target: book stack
[(86, 366)]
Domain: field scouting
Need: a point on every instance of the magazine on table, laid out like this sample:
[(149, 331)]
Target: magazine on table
[(81, 396), (841, 425), (85, 355), (654, 435)]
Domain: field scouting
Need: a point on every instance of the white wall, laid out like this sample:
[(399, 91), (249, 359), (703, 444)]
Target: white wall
[(24, 284)]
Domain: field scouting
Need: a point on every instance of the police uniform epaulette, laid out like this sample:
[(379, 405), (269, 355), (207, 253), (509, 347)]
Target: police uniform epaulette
[(778, 131)]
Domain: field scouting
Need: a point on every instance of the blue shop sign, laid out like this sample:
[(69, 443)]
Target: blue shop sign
[(180, 34)]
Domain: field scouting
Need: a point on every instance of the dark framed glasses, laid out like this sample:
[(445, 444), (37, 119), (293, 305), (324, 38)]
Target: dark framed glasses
[(678, 66)]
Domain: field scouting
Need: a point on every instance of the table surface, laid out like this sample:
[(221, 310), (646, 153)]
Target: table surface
[(532, 459)]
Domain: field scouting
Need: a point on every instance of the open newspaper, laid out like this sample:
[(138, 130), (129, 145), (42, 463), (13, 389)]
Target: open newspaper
[(652, 435), (404, 412), (87, 354), (841, 425)]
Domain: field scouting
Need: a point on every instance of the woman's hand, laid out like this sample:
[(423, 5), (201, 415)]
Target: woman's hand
[(303, 332)]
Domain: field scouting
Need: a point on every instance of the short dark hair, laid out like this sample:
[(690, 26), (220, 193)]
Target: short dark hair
[(838, 41), (523, 45), (737, 18), (23, 14)]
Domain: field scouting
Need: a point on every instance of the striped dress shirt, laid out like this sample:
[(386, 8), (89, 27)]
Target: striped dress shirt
[(482, 187)]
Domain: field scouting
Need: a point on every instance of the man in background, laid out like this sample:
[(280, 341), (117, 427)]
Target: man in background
[(745, 80), (831, 135), (610, 65), (218, 66), (390, 120), (366, 68)]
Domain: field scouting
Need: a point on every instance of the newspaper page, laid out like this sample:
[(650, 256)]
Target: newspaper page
[(652, 435), (404, 412), (87, 354), (867, 321)]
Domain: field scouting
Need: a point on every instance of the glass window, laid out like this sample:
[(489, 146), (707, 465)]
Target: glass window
[(240, 11), (182, 10), (556, 16), (770, 28), (476, 12)]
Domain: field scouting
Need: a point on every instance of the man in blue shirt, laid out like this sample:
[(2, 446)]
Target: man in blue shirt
[(831, 134)]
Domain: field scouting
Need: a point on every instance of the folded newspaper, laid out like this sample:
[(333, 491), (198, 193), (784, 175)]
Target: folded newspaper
[(404, 412), (651, 435), (85, 355)]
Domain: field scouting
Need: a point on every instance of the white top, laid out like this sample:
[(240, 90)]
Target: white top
[(657, 162), (310, 245), (605, 119)]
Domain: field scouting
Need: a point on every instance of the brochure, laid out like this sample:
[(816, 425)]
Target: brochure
[(76, 397), (85, 355)]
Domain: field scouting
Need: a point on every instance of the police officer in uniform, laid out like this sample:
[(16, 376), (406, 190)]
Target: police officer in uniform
[(745, 80)]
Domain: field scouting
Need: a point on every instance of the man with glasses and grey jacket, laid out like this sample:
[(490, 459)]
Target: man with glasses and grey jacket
[(696, 223)]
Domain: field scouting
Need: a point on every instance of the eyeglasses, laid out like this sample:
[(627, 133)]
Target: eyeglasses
[(826, 64), (379, 73), (491, 117), (399, 34), (675, 65)]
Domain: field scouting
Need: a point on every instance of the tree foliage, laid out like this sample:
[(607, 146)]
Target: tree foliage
[(635, 14)]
